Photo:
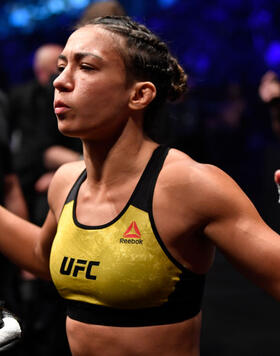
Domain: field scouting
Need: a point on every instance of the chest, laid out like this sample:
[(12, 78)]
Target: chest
[(120, 264)]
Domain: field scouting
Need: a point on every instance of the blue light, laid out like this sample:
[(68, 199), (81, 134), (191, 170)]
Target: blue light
[(19, 17), (272, 55), (22, 16), (40, 13), (166, 3), (260, 19), (203, 64), (197, 62), (216, 14), (79, 4), (56, 6)]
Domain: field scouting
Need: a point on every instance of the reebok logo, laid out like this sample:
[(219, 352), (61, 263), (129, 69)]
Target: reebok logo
[(132, 233)]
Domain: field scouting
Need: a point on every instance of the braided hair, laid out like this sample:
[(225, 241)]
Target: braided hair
[(146, 58)]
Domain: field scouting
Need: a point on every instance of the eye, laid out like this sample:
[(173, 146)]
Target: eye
[(86, 67), (60, 68)]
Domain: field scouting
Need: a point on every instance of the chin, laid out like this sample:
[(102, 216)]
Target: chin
[(67, 130)]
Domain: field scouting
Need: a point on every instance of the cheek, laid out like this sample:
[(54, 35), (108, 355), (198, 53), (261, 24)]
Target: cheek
[(101, 99), (91, 93)]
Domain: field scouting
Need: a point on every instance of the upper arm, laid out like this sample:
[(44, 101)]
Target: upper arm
[(43, 247), (236, 228), (57, 193)]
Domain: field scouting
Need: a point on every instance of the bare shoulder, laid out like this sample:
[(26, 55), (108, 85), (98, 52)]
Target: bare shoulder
[(62, 182), (199, 185), (181, 168)]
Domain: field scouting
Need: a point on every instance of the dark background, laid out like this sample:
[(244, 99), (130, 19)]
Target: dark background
[(225, 46), (216, 40)]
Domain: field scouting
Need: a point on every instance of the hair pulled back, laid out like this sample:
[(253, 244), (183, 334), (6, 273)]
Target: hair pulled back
[(147, 58)]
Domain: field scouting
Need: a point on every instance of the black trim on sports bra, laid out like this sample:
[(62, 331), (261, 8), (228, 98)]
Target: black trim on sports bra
[(142, 197), (185, 301), (143, 189), (168, 313), (74, 190)]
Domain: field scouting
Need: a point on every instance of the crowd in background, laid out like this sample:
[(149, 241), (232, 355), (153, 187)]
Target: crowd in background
[(234, 127)]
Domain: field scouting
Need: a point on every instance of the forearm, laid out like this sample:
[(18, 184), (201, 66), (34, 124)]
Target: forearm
[(14, 200), (55, 156)]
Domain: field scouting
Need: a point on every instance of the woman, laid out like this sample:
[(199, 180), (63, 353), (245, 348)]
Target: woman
[(131, 229)]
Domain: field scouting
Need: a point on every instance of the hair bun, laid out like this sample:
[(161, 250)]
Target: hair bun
[(178, 83)]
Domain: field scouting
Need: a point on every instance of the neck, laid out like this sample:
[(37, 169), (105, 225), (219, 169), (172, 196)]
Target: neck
[(114, 159)]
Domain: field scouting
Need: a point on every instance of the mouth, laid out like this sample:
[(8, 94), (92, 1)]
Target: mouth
[(60, 107)]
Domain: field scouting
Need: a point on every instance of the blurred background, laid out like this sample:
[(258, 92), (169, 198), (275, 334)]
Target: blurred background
[(226, 47), (216, 40)]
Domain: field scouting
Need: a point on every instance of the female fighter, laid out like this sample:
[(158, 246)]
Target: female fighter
[(132, 229)]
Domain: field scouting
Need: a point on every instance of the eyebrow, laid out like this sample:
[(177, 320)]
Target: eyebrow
[(80, 55)]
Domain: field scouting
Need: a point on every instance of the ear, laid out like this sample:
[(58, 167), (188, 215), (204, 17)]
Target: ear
[(141, 95)]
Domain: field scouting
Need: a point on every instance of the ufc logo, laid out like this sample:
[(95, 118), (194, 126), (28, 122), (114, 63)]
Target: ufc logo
[(72, 266)]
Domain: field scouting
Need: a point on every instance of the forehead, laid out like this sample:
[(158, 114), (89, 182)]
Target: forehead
[(94, 39)]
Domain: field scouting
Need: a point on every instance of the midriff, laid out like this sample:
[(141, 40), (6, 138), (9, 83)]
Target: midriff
[(180, 339)]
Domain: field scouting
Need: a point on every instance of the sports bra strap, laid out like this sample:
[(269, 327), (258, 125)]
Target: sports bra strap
[(73, 192), (143, 194)]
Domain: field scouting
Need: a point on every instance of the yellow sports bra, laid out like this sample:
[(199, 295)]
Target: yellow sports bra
[(120, 273)]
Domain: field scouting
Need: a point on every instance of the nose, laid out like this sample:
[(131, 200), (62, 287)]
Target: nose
[(64, 81)]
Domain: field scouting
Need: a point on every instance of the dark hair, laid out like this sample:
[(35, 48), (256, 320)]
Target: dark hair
[(147, 57)]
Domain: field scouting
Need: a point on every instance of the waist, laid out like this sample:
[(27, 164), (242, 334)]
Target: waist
[(179, 339)]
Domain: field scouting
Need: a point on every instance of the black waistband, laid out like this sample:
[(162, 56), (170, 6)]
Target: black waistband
[(100, 315)]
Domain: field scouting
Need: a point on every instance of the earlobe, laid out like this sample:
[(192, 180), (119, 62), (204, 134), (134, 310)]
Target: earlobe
[(142, 95)]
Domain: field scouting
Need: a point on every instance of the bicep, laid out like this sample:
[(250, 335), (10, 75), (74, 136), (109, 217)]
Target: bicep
[(43, 247), (237, 229)]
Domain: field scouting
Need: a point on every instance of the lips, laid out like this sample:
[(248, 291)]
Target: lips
[(60, 107)]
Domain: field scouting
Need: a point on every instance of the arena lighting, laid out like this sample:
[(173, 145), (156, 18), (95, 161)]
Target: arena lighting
[(55, 6), (272, 55), (19, 17), (166, 3), (23, 14), (79, 4)]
